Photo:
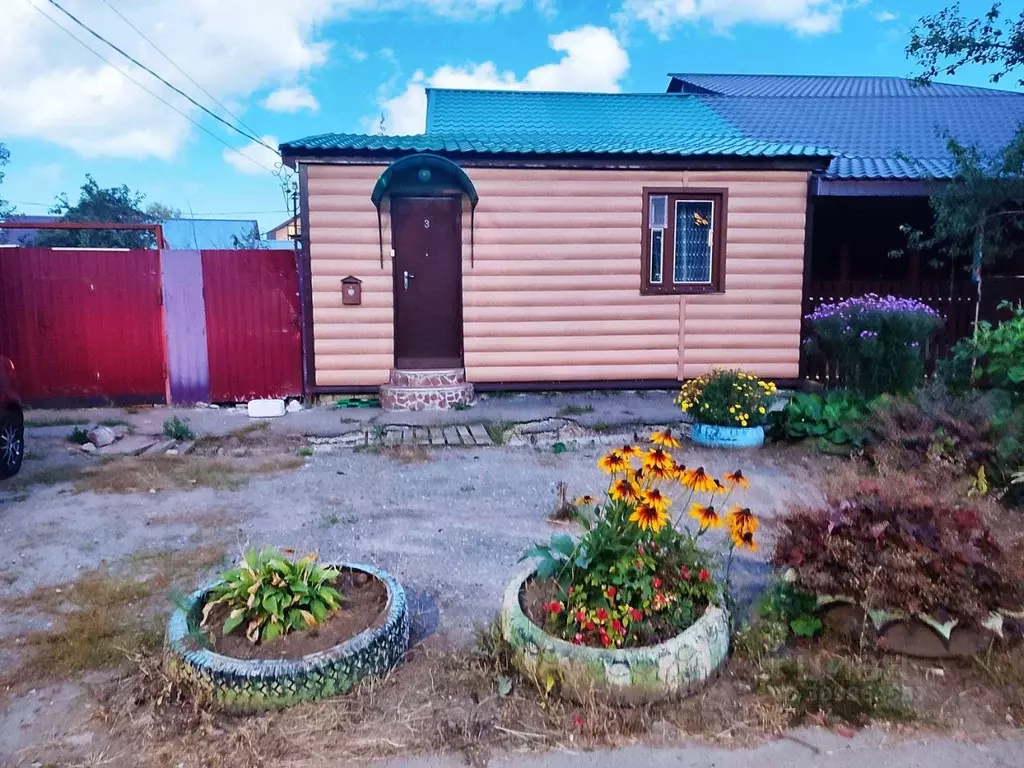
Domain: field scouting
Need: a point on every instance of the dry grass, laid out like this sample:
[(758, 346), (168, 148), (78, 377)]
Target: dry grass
[(55, 475), (105, 616), (140, 474)]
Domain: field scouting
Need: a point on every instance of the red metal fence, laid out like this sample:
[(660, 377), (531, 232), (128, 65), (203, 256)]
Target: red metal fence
[(252, 324), (956, 301), (83, 326), (90, 326)]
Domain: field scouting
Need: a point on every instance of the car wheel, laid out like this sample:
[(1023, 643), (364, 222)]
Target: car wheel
[(12, 443)]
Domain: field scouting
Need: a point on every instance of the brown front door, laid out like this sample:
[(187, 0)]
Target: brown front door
[(427, 241)]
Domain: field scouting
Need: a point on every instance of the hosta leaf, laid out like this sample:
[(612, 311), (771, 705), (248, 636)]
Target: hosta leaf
[(539, 551), (563, 544), (272, 631), (309, 618), (318, 609), (232, 622)]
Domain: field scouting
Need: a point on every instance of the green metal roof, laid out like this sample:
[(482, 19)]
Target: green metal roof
[(541, 123)]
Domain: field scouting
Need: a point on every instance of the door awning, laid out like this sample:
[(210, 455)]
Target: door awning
[(424, 174)]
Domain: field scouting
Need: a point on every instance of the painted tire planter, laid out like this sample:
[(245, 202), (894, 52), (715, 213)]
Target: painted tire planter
[(726, 437), (919, 636), (621, 675), (243, 686)]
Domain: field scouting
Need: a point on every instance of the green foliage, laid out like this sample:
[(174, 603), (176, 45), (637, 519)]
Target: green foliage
[(781, 610), (998, 354), (727, 399), (176, 428), (272, 595), (162, 212), (835, 420), (78, 436), (95, 204), (5, 208)]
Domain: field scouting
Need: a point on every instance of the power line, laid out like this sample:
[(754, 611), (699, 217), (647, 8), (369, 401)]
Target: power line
[(174, 64), (176, 89), (156, 96)]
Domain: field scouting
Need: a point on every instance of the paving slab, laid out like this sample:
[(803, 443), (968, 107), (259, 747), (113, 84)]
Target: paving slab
[(131, 445)]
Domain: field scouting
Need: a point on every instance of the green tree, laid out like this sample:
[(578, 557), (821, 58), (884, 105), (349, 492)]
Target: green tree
[(162, 212), (948, 40), (114, 205), (6, 209)]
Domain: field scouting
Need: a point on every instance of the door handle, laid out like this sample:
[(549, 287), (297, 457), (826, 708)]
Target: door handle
[(406, 277)]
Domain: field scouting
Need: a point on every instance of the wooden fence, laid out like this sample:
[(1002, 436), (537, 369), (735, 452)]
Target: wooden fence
[(956, 302)]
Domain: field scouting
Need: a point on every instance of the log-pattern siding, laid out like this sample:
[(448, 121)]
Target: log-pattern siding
[(554, 293)]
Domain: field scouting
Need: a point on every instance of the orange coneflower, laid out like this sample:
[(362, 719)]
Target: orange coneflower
[(700, 481), (740, 520), (706, 515), (665, 438), (737, 478), (744, 540), (670, 472), (656, 499), (624, 489), (648, 517), (613, 462), (586, 501), (658, 457), (630, 451)]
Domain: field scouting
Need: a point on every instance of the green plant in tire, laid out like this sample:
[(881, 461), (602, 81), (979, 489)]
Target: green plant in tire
[(271, 595)]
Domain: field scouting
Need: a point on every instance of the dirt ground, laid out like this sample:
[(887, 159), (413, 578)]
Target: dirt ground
[(450, 524)]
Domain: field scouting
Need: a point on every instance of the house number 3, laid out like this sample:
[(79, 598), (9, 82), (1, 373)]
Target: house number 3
[(426, 223)]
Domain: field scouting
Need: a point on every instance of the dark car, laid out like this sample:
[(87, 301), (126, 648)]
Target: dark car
[(12, 423)]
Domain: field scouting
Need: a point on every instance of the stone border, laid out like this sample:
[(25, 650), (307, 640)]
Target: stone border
[(625, 676), (253, 685)]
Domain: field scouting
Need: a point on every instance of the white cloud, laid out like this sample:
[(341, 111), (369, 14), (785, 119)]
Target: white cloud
[(290, 99), (593, 60), (805, 17), (358, 55), (546, 8), (249, 158), (885, 16), (55, 90)]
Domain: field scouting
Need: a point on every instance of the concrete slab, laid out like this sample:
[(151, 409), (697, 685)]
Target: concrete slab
[(132, 445)]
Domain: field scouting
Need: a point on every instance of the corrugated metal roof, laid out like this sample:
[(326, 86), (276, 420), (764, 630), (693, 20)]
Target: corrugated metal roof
[(536, 143), (819, 86)]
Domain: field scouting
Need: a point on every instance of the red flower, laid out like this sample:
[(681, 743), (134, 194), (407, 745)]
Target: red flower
[(617, 626), (577, 639), (636, 615), (685, 572), (581, 617), (704, 575), (602, 614), (611, 592), (656, 582), (578, 721), (554, 607), (605, 640), (589, 626), (640, 550)]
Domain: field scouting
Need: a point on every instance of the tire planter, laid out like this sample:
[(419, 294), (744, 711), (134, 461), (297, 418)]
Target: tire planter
[(919, 636), (253, 685), (619, 675), (726, 437)]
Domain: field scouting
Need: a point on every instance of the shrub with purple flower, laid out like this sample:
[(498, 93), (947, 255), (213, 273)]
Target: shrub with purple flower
[(877, 341)]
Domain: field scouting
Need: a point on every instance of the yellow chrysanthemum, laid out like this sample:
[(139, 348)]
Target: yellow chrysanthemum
[(699, 481), (655, 498), (649, 518), (658, 457), (706, 516), (624, 489), (733, 479), (613, 462), (665, 438), (741, 520)]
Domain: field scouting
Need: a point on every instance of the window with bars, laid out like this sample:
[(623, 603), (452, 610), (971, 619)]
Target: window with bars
[(683, 238)]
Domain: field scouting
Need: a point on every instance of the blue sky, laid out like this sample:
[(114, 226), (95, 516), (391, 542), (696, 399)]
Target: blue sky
[(316, 66)]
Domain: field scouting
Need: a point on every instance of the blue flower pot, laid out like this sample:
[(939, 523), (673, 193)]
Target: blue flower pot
[(727, 437)]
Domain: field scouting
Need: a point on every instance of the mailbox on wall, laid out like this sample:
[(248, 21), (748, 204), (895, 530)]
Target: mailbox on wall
[(351, 290)]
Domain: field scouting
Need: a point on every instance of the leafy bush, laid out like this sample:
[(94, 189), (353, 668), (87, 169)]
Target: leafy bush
[(780, 611), (78, 436), (876, 341), (727, 399), (999, 352), (273, 595), (969, 433), (890, 543), (836, 420), (177, 428), (636, 577)]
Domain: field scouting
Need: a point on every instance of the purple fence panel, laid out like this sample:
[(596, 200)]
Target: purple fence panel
[(185, 323)]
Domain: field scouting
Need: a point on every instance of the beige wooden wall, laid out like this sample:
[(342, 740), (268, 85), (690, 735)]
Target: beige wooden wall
[(554, 293)]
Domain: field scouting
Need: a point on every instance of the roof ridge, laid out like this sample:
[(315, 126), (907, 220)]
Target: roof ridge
[(519, 91)]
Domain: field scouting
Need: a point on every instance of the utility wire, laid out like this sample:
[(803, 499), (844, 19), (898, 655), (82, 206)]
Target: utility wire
[(176, 89), (174, 64), (156, 96)]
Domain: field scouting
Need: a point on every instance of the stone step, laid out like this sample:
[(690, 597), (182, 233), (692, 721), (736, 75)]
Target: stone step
[(451, 377), (399, 398)]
